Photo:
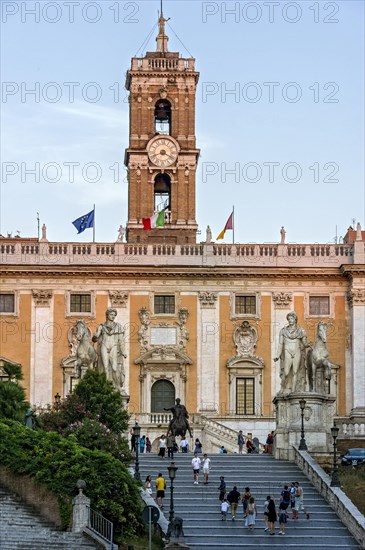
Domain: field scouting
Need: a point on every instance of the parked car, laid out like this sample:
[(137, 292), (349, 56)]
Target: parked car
[(354, 457)]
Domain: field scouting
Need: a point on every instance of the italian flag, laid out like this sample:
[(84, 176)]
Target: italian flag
[(157, 220)]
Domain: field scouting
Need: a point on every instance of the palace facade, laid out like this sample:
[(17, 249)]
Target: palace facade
[(201, 320)]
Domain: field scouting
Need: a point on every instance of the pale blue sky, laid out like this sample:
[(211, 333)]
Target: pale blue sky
[(324, 129)]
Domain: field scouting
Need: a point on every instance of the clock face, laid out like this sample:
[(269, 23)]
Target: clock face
[(162, 152)]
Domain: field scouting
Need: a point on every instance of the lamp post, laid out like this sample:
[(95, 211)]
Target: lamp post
[(335, 480), (137, 433), (57, 401), (172, 472), (302, 444)]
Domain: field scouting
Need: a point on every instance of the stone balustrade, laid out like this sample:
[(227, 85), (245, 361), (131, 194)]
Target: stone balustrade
[(162, 64), (349, 428), (21, 252), (336, 498)]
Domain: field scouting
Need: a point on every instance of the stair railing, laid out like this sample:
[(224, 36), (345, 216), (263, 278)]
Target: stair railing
[(101, 527)]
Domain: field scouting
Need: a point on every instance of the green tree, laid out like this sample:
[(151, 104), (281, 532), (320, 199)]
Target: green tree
[(12, 396), (94, 414), (102, 401)]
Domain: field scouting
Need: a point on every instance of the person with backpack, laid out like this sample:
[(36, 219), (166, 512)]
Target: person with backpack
[(233, 498), (285, 499)]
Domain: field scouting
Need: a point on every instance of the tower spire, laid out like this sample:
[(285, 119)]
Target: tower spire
[(162, 39)]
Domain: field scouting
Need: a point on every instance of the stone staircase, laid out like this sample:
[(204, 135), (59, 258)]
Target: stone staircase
[(22, 529), (200, 508), (219, 435)]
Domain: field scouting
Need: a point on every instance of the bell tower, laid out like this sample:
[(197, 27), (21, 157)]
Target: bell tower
[(162, 156)]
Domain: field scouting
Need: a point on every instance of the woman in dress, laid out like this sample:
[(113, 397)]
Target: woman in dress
[(162, 446), (251, 514), (272, 517), (148, 445), (148, 486), (198, 446)]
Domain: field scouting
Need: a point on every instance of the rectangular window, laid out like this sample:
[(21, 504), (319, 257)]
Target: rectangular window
[(245, 396), (319, 305), (80, 303), (7, 303), (245, 305), (164, 304)]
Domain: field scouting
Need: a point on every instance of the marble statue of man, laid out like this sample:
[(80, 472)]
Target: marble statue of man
[(282, 235), (291, 352), (121, 234), (209, 235), (110, 339)]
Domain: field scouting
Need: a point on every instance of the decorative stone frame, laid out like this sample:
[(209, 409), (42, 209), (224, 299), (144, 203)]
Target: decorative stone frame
[(332, 302), (232, 303), (69, 313), (245, 367), (14, 313), (162, 364)]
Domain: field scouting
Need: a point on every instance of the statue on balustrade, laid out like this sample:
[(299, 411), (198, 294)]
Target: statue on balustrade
[(111, 346), (292, 352), (179, 423)]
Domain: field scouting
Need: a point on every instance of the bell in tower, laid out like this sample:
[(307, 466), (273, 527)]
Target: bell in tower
[(162, 156)]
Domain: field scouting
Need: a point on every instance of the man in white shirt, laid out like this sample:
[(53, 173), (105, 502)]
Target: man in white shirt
[(184, 445), (195, 464), (206, 467)]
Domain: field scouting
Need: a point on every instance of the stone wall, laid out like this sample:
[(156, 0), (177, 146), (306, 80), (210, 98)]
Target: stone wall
[(44, 502), (336, 498)]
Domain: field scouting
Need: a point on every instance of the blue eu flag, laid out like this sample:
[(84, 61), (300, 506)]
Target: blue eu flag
[(84, 222)]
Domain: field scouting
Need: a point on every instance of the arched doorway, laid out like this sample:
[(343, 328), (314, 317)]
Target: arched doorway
[(162, 395)]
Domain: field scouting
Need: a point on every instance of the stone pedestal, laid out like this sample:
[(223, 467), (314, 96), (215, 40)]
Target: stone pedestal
[(80, 505), (318, 419), (125, 398)]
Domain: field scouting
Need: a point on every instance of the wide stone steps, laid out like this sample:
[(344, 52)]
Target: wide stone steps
[(22, 529), (199, 505)]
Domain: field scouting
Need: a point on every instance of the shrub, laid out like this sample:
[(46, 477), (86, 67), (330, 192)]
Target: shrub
[(59, 463)]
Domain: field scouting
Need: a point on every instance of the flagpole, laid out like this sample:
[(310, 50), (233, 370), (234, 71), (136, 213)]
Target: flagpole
[(94, 226), (233, 224)]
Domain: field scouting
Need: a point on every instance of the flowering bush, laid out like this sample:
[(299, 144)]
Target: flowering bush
[(91, 433)]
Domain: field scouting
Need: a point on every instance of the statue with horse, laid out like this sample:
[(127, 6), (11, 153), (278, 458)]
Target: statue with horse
[(319, 368), (85, 353), (179, 423), (295, 363)]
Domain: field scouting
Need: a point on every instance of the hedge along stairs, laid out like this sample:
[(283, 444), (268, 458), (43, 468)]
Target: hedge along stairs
[(22, 529), (200, 508)]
